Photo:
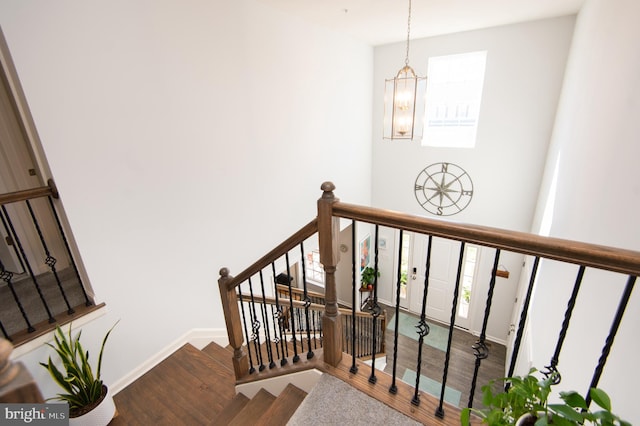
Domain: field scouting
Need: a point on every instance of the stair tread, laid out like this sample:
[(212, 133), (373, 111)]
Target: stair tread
[(254, 408), (232, 409), (283, 407), (220, 354), (188, 385)]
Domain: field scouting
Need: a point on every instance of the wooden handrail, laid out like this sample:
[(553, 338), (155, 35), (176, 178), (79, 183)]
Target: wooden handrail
[(305, 232), (298, 291), (317, 307), (607, 258), (28, 194)]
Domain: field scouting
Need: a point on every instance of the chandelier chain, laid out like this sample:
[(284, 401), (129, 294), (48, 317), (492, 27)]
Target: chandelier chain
[(406, 59)]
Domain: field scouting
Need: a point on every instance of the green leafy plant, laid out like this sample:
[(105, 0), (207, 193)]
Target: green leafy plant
[(368, 276), (81, 385), (528, 395)]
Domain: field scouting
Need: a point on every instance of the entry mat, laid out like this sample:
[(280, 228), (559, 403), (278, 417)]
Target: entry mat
[(438, 336), (432, 387)]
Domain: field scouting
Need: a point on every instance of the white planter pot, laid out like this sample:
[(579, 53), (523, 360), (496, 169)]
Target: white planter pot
[(99, 416), (527, 419)]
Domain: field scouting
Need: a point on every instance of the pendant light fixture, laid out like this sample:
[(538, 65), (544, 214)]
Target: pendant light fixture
[(404, 100)]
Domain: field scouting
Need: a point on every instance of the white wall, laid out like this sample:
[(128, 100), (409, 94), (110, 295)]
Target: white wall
[(178, 130), (594, 156), (525, 66)]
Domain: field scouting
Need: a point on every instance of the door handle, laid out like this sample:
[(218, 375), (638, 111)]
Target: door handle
[(414, 275)]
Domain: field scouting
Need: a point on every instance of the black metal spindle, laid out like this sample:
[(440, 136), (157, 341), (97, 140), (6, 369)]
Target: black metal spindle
[(523, 319), (246, 331), (280, 319), (50, 261), (88, 301), (276, 339), (454, 306), (422, 327), (313, 323), (255, 328), (265, 321), (296, 358), (622, 305), (552, 368), (375, 310), (6, 220), (7, 276), (394, 389), (480, 349), (354, 367), (307, 302)]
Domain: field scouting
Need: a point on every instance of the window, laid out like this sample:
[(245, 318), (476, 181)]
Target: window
[(314, 269), (470, 261), (454, 91)]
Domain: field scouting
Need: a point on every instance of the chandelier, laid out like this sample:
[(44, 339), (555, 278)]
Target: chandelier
[(402, 95)]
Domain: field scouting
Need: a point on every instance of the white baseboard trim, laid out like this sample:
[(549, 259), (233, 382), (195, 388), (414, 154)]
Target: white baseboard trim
[(198, 337)]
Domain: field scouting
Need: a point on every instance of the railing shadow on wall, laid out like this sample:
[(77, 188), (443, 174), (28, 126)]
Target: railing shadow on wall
[(255, 288), (40, 284)]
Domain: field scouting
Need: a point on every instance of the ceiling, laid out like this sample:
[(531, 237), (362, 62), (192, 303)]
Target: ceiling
[(379, 22)]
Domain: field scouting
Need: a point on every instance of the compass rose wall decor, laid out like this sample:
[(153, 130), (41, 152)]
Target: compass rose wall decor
[(443, 189)]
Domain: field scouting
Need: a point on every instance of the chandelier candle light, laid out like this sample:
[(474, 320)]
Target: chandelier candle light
[(404, 100)]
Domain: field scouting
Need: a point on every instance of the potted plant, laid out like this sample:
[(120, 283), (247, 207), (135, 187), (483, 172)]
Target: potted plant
[(368, 277), (525, 403), (88, 397)]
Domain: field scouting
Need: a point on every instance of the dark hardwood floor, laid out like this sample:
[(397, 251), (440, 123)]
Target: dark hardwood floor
[(461, 361)]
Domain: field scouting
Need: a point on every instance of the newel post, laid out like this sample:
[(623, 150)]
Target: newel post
[(232, 319), (328, 233)]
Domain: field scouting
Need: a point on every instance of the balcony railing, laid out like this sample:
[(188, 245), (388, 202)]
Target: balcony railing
[(623, 266), (40, 283)]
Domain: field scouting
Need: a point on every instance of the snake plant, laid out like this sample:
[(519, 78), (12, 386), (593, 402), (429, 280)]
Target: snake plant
[(82, 386)]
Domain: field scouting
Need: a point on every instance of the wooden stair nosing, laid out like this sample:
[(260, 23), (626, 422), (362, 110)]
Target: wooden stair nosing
[(283, 407), (220, 354), (254, 408)]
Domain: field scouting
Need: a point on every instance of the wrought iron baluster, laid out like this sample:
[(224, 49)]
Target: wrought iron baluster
[(622, 305), (88, 301), (6, 221), (276, 339), (354, 367), (523, 319), (265, 321), (454, 306), (552, 368), (280, 319), (246, 331), (394, 389), (480, 349), (307, 302), (255, 328), (313, 321), (296, 358), (50, 261), (7, 276), (422, 327), (375, 310)]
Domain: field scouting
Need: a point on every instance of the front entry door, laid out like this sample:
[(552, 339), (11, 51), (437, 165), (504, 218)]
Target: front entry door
[(442, 279)]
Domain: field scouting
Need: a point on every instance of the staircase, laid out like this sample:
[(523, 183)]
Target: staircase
[(197, 387)]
